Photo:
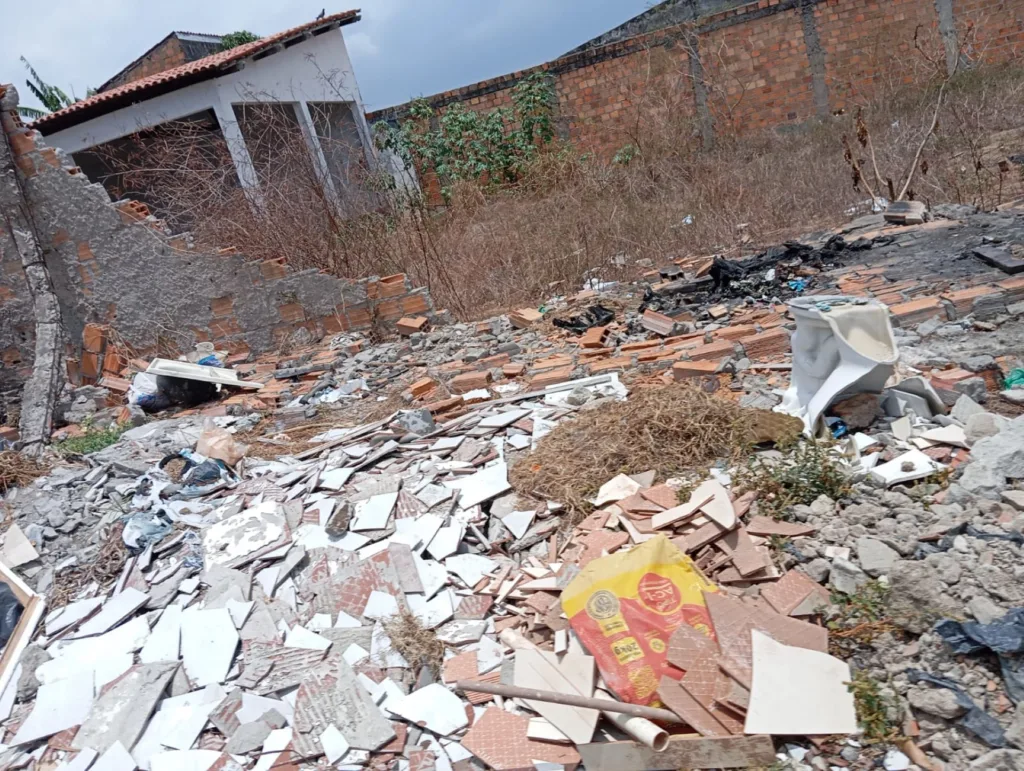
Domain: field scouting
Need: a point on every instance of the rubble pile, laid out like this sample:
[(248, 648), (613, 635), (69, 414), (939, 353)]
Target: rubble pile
[(383, 593)]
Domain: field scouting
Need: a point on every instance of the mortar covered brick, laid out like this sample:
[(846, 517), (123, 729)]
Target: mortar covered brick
[(1013, 289), (684, 370), (469, 381), (766, 344), (915, 311), (715, 351), (963, 299)]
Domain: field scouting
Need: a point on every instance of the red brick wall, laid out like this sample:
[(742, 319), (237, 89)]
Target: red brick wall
[(757, 65), (867, 41), (758, 73), (165, 55), (998, 27)]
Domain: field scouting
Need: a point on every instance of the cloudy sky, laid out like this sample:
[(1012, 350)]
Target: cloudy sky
[(400, 49)]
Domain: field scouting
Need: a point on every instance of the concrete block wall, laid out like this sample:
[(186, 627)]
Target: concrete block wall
[(112, 264), (760, 64)]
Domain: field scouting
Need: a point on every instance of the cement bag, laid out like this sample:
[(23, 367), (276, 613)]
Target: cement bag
[(219, 444), (625, 607)]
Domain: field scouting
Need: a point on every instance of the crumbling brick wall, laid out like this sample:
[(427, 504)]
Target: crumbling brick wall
[(113, 265), (758, 64)]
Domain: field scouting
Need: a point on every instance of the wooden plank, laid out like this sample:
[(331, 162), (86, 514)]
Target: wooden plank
[(682, 752), (33, 606)]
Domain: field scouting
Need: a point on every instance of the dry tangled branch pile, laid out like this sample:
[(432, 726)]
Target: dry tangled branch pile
[(18, 470), (668, 429)]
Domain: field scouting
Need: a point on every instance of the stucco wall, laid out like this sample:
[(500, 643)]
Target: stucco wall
[(113, 264)]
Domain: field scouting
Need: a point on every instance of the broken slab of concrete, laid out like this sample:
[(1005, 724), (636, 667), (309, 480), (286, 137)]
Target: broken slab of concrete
[(122, 712)]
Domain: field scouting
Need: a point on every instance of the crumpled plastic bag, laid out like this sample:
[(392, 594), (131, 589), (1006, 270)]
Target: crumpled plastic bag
[(594, 316), (1014, 380), (220, 444), (625, 607), (975, 720), (144, 528), (1004, 637)]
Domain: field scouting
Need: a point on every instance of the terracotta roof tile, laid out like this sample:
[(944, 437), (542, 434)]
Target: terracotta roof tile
[(208, 66)]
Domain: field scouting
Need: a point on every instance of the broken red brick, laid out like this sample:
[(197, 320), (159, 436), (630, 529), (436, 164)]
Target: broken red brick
[(94, 338), (469, 381), (916, 311), (766, 344), (524, 317), (412, 324), (551, 377), (116, 384), (594, 337), (514, 369), (716, 351), (422, 386), (658, 323), (948, 378), (684, 370)]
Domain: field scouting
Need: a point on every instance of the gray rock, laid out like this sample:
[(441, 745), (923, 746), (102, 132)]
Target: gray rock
[(846, 577), (849, 753), (31, 660), (940, 702), (985, 611), (579, 396), (1015, 395), (1015, 498), (875, 557), (419, 422), (917, 597), (929, 326), (975, 387), (1015, 731), (982, 479), (248, 737), (818, 569), (823, 506), (510, 348), (1004, 452), (983, 425), (978, 363), (1000, 760)]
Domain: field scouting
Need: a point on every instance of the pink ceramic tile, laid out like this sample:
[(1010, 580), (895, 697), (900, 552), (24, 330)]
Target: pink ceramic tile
[(499, 739)]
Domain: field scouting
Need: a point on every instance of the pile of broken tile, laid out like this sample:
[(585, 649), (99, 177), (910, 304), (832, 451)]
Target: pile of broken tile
[(256, 635)]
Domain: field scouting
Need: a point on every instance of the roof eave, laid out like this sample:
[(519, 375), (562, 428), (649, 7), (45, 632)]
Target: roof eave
[(51, 125)]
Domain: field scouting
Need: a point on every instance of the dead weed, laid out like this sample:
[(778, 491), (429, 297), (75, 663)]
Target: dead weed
[(668, 429), (17, 470), (416, 644)]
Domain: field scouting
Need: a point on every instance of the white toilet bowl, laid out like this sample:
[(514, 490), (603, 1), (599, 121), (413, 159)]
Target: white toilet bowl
[(842, 346)]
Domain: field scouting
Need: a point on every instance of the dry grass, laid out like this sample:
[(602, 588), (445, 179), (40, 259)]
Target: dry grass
[(419, 646), (574, 212), (17, 470), (103, 569), (669, 429)]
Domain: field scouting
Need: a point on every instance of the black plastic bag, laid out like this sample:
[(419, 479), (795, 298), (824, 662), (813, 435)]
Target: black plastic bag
[(1003, 637), (594, 316), (184, 392), (975, 720), (10, 613)]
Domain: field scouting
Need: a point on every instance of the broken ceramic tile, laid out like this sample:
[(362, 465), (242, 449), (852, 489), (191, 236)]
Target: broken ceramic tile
[(795, 691)]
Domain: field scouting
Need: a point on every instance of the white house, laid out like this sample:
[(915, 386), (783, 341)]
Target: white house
[(305, 69)]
